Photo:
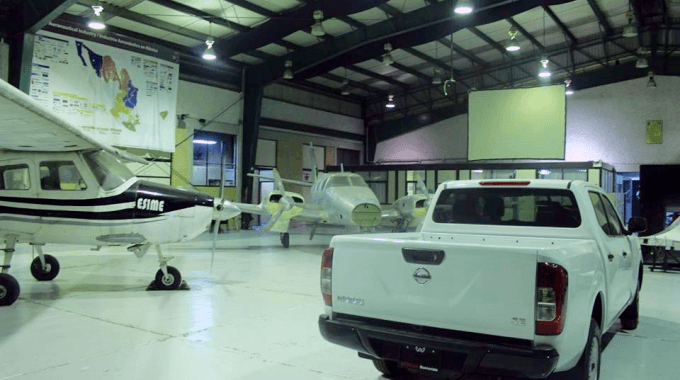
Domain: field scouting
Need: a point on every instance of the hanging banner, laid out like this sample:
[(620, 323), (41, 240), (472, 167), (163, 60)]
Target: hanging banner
[(120, 96)]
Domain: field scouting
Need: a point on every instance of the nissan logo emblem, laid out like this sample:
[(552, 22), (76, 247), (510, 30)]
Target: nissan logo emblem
[(422, 276)]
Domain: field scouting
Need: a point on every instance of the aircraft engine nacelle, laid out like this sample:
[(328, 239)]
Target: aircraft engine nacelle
[(272, 202), (411, 207)]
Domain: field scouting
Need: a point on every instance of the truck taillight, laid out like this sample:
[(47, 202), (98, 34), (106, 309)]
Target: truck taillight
[(551, 293), (327, 276)]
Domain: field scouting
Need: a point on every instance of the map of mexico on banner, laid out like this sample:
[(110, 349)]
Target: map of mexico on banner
[(123, 97)]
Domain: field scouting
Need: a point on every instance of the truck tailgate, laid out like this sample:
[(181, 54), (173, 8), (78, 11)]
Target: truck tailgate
[(480, 288)]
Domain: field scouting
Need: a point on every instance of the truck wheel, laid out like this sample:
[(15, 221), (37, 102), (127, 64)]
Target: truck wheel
[(588, 367), (388, 368), (631, 316)]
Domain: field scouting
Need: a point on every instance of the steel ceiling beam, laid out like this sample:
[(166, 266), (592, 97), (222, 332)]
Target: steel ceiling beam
[(495, 45), (414, 28), (601, 17), (301, 18), (179, 7), (320, 89), (140, 18), (353, 83), (524, 32), (560, 24), (254, 8), (35, 15)]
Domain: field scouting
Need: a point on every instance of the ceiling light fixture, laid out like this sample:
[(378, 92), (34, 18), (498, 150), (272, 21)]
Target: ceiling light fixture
[(317, 28), (651, 82), (512, 45), (569, 90), (390, 102), (641, 62), (464, 7), (209, 53), (545, 71), (387, 57), (97, 21), (437, 78), (629, 30), (288, 73), (345, 88)]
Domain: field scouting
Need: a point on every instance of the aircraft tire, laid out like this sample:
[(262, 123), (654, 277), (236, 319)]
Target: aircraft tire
[(51, 271), (171, 282), (9, 289), (285, 240)]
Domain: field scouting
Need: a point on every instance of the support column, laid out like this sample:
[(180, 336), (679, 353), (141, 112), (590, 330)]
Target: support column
[(21, 60), (252, 111)]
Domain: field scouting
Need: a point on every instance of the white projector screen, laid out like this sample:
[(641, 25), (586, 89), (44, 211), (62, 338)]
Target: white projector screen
[(527, 123)]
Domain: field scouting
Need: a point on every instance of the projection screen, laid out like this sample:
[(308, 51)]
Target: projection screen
[(527, 123)]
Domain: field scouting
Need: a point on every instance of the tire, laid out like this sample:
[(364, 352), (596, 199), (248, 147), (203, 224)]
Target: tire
[(9, 289), (631, 316), (285, 240), (388, 368), (51, 268), (171, 282), (588, 366)]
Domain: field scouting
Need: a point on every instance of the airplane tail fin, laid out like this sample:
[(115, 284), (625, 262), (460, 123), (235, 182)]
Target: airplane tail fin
[(313, 158)]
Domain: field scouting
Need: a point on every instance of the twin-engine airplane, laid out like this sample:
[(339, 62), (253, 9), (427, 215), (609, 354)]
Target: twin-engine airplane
[(341, 199), (58, 185)]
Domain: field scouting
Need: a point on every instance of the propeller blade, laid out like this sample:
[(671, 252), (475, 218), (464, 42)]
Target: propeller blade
[(214, 244), (423, 189), (274, 219), (279, 182)]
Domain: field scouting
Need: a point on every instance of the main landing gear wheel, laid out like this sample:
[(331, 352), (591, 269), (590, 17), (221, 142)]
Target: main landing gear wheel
[(170, 282), (48, 273), (9, 289), (285, 240)]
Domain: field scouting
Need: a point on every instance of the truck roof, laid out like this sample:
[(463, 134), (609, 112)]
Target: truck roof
[(532, 183)]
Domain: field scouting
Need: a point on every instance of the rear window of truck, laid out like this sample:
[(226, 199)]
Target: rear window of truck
[(508, 207)]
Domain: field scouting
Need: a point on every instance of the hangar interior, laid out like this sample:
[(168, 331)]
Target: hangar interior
[(210, 91)]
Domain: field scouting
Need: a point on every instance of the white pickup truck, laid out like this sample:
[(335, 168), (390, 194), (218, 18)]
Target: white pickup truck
[(508, 278)]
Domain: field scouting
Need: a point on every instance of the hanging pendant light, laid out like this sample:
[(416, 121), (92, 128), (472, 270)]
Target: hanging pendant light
[(464, 7), (209, 53), (345, 89), (651, 82), (387, 57), (512, 45), (569, 90), (437, 78), (545, 70), (288, 73), (317, 28), (629, 30), (641, 62), (390, 102), (97, 21)]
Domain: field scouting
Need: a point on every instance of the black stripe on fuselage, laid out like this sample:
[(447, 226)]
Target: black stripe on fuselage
[(172, 198)]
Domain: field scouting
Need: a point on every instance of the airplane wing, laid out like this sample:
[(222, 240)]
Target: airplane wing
[(670, 237), (27, 126)]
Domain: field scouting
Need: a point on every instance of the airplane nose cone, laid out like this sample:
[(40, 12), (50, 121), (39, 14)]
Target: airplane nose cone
[(225, 210), (367, 215)]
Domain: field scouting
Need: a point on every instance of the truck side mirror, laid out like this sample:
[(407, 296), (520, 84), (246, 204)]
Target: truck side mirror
[(637, 224)]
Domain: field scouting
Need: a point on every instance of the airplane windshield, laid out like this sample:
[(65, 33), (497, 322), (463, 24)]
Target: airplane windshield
[(338, 181), (358, 182), (110, 172)]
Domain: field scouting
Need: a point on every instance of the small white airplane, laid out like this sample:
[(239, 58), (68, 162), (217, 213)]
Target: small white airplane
[(341, 199), (58, 185)]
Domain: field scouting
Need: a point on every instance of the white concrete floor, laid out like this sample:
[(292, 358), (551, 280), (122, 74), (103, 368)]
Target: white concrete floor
[(254, 317)]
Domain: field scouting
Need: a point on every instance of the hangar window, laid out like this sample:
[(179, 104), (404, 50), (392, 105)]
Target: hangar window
[(61, 175), (210, 150), (14, 177)]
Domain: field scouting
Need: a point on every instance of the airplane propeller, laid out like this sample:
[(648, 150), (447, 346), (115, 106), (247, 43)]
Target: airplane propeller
[(423, 189), (224, 210), (285, 203)]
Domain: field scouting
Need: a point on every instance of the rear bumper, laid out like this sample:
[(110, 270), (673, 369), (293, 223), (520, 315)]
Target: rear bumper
[(458, 355)]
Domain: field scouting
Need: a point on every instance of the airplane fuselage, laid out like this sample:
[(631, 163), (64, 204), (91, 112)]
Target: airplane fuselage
[(135, 212), (350, 205)]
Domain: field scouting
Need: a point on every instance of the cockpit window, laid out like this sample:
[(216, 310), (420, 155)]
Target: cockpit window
[(358, 181), (61, 175), (109, 172), (338, 181)]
